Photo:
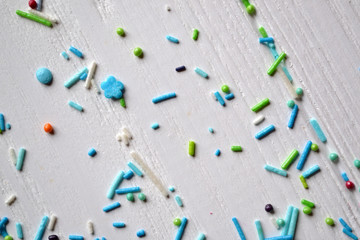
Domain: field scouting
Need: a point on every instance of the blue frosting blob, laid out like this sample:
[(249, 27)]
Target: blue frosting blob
[(44, 75)]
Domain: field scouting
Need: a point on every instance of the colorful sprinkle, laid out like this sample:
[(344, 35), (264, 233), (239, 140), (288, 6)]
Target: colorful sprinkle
[(111, 207), (75, 106), (273, 67), (293, 116), (192, 148), (76, 51), (266, 131), (172, 39), (304, 155), (181, 229), (290, 159), (180, 69), (260, 105), (178, 201), (201, 72), (311, 171), (318, 130), (238, 228), (155, 126), (35, 18), (195, 34), (275, 170), (44, 76), (74, 79), (128, 190), (164, 97)]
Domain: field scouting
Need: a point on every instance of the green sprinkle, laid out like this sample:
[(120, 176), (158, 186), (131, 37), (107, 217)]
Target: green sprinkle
[(122, 102), (307, 210), (280, 222), (0, 131), (250, 9), (8, 237), (141, 197), (290, 159), (329, 221), (195, 34), (357, 163), (236, 148), (299, 91), (192, 148), (138, 52), (34, 18), (263, 103), (273, 67), (130, 197), (291, 103), (303, 181), (177, 221), (120, 31), (307, 203), (333, 156), (263, 32), (314, 147), (225, 88)]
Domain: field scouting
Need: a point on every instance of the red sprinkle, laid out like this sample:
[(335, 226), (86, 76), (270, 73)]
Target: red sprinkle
[(33, 4), (349, 185)]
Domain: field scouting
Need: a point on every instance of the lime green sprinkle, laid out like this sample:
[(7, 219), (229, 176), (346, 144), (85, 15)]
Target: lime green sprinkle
[(333, 156), (192, 148), (299, 91), (225, 88), (195, 34), (290, 159), (250, 9), (122, 102), (357, 163), (280, 222), (177, 221), (34, 18), (141, 197), (307, 210), (130, 197), (329, 221), (138, 51), (120, 31), (263, 103), (0, 131), (314, 147), (236, 148), (307, 203), (8, 237), (263, 32), (303, 181), (291, 103), (273, 67)]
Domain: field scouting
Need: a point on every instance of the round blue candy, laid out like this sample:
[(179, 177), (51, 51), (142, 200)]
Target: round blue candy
[(140, 233), (44, 75)]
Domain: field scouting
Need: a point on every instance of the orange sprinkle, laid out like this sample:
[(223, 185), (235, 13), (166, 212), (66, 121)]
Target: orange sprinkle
[(48, 128)]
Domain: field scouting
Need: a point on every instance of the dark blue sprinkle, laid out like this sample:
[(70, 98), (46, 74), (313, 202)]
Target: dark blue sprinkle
[(180, 69)]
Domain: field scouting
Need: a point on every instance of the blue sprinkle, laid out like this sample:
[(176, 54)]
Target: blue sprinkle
[(229, 96), (118, 224), (83, 76), (287, 237), (44, 76), (308, 173), (135, 169), (41, 230), (39, 5), (211, 130), (275, 170), (178, 201), (76, 237), (140, 233), (74, 79), (76, 106), (266, 131), (287, 73), (181, 229), (344, 176), (293, 221), (103, 238), (345, 225), (304, 155), (19, 231), (92, 152), (127, 190), (3, 223), (201, 236), (128, 175), (8, 126), (115, 184), (217, 152), (293, 116), (238, 228), (64, 54), (318, 130), (171, 189), (285, 229), (201, 73), (266, 40), (20, 159), (180, 69), (164, 97), (259, 230), (155, 126), (172, 39), (75, 51), (2, 122), (111, 207), (350, 234), (219, 98)]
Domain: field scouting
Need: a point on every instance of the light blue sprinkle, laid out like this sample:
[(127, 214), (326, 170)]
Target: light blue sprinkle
[(19, 230), (318, 130), (76, 237), (201, 73), (140, 233), (229, 96), (128, 175), (293, 116), (128, 190), (266, 131), (259, 230), (155, 126), (111, 207), (163, 97), (211, 130), (8, 126), (286, 72), (350, 234), (74, 79), (171, 189), (135, 169), (75, 51), (201, 236), (118, 224), (181, 229), (41, 230), (308, 173), (64, 54), (172, 39), (219, 98), (103, 238), (304, 155), (3, 223), (20, 159), (178, 201), (44, 76), (285, 229), (287, 237), (92, 152), (115, 184), (275, 170), (217, 152), (76, 106), (39, 5), (83, 76), (266, 40), (2, 122), (238, 228), (274, 52), (293, 222), (345, 225), (344, 176)]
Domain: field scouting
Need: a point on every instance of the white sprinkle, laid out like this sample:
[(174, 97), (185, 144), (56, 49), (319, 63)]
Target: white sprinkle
[(273, 221), (259, 120), (90, 227), (90, 75), (43, 15), (126, 131), (52, 222), (167, 8), (149, 173), (118, 137), (93, 83), (12, 155), (10, 200), (125, 138)]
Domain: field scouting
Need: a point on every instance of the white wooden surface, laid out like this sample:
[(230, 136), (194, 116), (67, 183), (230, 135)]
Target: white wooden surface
[(321, 40)]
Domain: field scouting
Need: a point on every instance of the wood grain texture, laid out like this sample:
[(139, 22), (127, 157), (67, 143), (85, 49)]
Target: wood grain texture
[(321, 39)]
